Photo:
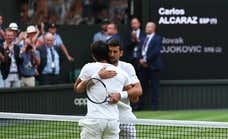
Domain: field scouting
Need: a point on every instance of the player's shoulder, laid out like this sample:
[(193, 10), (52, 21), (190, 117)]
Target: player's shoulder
[(125, 65), (89, 66), (98, 65)]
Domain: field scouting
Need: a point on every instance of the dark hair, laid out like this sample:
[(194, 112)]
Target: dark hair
[(99, 50), (8, 30), (134, 17), (105, 21), (115, 43)]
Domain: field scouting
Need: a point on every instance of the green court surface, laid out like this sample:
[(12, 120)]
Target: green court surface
[(193, 115), (23, 129)]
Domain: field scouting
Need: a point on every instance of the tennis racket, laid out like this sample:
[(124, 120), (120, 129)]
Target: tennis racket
[(97, 92)]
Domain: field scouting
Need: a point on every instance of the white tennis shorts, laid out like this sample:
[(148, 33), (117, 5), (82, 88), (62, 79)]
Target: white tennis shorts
[(99, 129)]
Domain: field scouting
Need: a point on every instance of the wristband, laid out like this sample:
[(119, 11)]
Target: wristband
[(123, 95)]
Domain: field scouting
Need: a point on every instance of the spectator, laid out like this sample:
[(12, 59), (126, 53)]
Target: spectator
[(132, 40), (29, 57), (29, 60), (49, 68), (112, 32), (102, 34), (101, 14), (149, 59), (25, 14), (87, 10), (32, 33), (41, 13), (3, 56), (1, 30), (10, 70), (57, 40), (74, 15), (118, 10), (15, 29), (100, 10)]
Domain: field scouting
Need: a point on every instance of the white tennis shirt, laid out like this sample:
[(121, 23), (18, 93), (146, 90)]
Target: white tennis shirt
[(115, 84), (125, 113)]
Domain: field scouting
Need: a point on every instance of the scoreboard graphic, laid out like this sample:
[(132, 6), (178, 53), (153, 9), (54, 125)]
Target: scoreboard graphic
[(194, 38)]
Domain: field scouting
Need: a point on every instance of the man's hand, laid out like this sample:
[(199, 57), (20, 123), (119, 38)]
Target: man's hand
[(134, 37), (88, 84), (143, 63), (114, 98), (70, 58), (127, 87), (2, 33), (1, 57), (106, 74), (22, 36), (133, 99)]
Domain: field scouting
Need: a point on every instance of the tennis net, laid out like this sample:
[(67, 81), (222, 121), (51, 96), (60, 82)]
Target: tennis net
[(40, 126)]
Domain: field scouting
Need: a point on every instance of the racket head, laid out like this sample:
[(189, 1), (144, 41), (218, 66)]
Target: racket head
[(96, 91)]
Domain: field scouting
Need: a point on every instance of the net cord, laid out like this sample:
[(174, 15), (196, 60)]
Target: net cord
[(148, 122)]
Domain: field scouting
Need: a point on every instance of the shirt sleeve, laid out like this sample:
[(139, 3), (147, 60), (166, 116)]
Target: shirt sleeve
[(85, 73), (127, 79), (37, 53), (59, 40), (132, 75), (96, 37)]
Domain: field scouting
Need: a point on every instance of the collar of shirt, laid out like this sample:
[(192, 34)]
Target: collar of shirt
[(150, 36), (49, 46), (144, 51), (108, 37), (137, 32)]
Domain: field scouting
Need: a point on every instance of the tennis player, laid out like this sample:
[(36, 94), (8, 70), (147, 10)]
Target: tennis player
[(102, 120), (127, 131)]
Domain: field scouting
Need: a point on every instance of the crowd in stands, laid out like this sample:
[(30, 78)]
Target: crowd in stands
[(31, 55), (31, 49), (73, 12)]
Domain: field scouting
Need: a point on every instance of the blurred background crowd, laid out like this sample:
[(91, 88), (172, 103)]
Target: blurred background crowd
[(73, 12), (31, 50)]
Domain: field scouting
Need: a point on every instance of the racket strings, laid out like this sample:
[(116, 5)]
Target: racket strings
[(97, 91)]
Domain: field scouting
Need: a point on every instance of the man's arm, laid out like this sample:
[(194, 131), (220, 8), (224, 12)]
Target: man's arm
[(36, 57), (64, 49), (134, 92), (136, 89), (106, 74), (2, 33), (2, 57), (80, 86)]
